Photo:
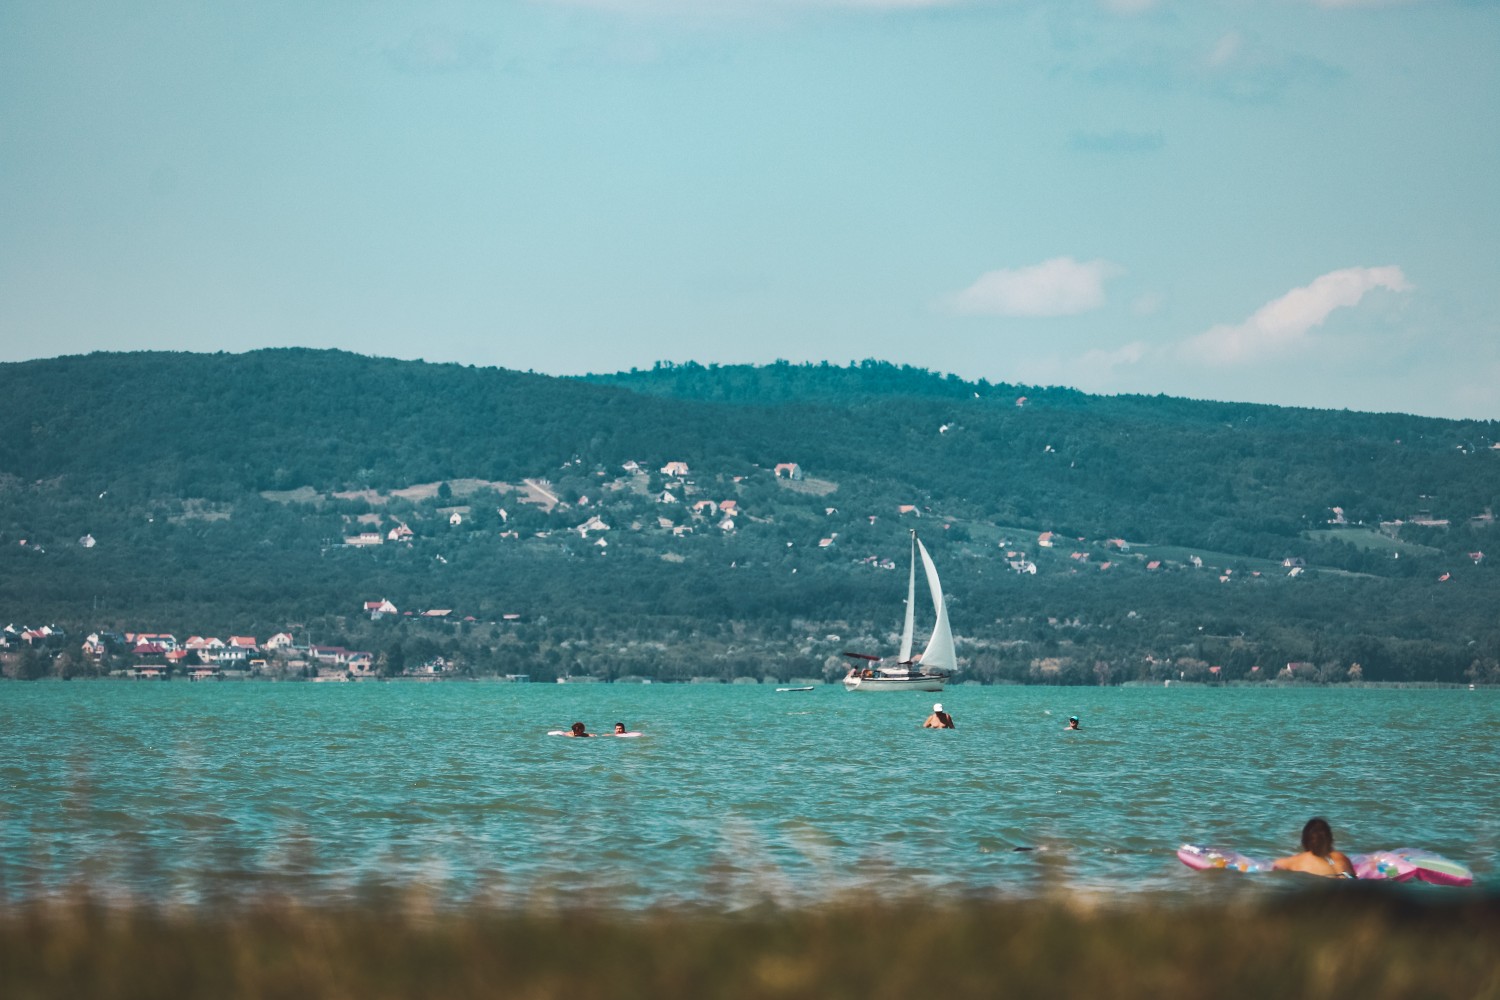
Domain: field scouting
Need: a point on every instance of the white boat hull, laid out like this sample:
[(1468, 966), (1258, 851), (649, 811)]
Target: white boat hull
[(917, 682)]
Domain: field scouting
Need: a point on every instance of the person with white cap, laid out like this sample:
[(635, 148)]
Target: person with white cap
[(939, 719)]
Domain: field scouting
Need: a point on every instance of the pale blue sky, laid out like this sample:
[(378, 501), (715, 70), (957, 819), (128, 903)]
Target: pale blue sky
[(1281, 201)]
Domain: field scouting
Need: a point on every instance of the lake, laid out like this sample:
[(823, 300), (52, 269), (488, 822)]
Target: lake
[(735, 797)]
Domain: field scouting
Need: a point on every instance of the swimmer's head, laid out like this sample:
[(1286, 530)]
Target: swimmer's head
[(619, 727), (1317, 837), (938, 707), (579, 729)]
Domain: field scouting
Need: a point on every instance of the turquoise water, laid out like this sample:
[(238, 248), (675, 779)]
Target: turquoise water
[(736, 796)]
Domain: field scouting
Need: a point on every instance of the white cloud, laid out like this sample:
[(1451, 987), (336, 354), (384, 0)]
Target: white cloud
[(1061, 286), (1283, 324)]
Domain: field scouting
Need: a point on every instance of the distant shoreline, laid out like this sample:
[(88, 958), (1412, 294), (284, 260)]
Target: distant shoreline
[(747, 682)]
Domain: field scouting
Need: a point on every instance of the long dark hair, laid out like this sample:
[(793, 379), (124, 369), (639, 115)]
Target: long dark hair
[(1317, 837)]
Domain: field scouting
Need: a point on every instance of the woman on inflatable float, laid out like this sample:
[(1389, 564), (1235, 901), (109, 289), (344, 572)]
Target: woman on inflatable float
[(1318, 856)]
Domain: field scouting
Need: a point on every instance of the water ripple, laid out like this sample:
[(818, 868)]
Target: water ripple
[(737, 797)]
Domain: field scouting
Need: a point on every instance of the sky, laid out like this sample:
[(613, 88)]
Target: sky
[(1293, 202)]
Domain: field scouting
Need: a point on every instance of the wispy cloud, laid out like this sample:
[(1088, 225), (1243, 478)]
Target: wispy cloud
[(432, 50), (1128, 7), (1235, 66), (1061, 286), (699, 9), (1244, 68), (1119, 141), (1351, 4), (1282, 325), (1101, 362)]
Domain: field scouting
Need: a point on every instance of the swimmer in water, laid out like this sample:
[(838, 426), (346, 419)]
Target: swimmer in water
[(579, 729), (1318, 856), (1073, 723), (939, 719), (619, 729)]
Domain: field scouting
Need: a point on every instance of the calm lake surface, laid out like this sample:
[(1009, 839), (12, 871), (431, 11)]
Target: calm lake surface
[(737, 795)]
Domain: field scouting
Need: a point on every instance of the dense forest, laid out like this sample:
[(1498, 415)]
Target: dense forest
[(1082, 539)]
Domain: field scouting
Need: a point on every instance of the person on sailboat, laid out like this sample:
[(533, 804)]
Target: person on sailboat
[(939, 719), (1318, 856)]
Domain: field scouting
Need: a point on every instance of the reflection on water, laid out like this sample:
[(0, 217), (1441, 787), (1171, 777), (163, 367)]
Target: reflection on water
[(738, 796)]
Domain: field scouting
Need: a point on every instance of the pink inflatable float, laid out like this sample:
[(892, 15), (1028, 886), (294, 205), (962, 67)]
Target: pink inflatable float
[(1404, 864)]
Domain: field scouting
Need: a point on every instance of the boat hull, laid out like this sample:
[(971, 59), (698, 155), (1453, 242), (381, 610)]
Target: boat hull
[(920, 682)]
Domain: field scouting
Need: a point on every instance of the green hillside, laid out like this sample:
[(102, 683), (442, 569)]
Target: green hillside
[(227, 494)]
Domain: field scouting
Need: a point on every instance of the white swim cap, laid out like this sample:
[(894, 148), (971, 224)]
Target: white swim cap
[(938, 707)]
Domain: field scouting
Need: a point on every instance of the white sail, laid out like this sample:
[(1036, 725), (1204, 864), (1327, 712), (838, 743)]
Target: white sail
[(911, 606), (939, 654)]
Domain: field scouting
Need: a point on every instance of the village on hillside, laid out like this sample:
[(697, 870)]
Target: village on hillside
[(775, 508)]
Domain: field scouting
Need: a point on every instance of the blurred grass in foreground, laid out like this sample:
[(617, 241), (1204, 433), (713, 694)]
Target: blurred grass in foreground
[(1342, 941)]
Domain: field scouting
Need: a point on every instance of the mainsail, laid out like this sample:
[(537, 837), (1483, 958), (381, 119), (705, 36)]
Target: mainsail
[(939, 654)]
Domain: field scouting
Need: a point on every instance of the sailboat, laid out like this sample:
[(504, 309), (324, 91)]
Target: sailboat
[(927, 672)]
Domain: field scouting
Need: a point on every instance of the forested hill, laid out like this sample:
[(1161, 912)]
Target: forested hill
[(222, 486), (872, 381), (1134, 466)]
